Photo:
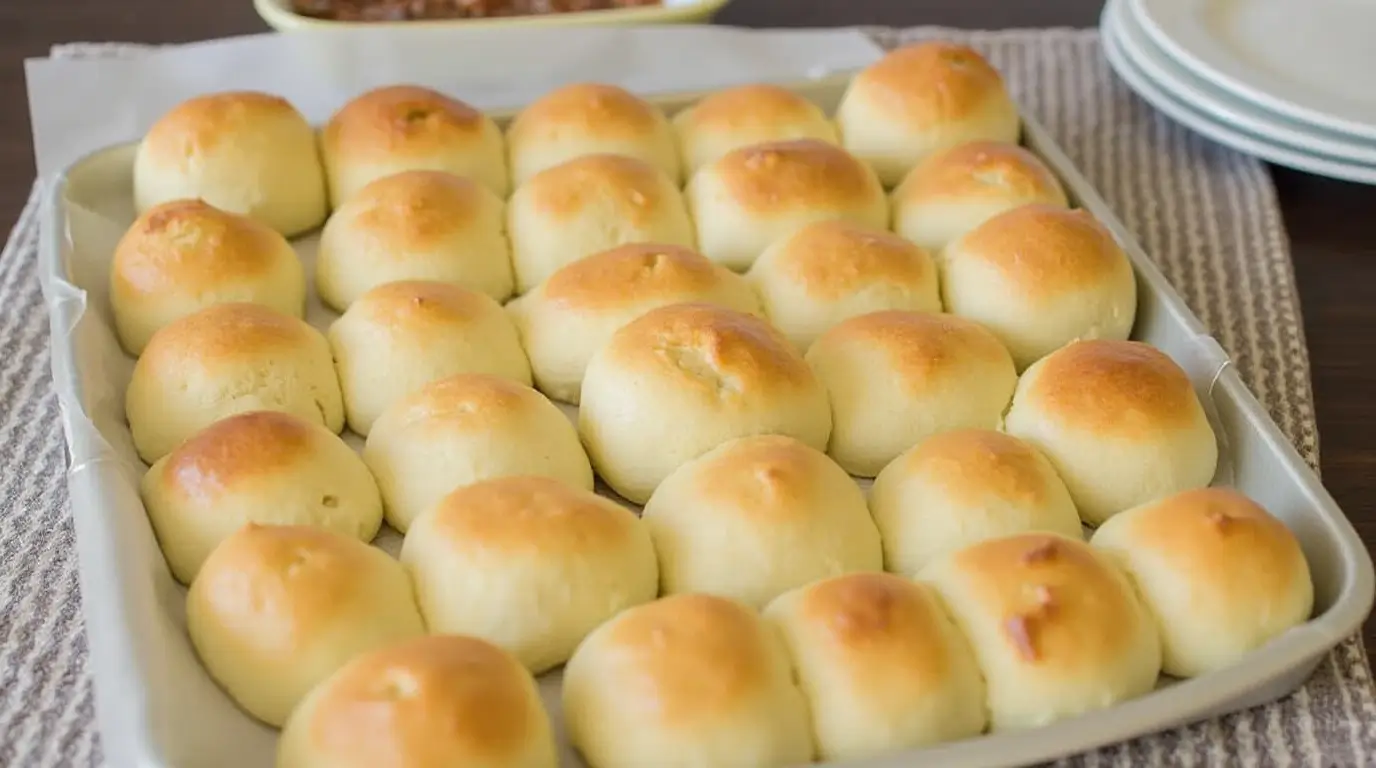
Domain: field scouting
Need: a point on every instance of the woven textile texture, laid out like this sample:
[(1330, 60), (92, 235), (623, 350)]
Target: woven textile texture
[(1207, 215)]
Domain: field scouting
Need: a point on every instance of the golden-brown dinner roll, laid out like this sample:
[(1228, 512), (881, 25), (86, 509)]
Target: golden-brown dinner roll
[(400, 336), (680, 380), (417, 225), (752, 196), (223, 360), (568, 317), (276, 609), (461, 430), (756, 517), (260, 467), (1119, 421), (831, 271), (882, 666), (895, 378), (183, 256), (1220, 574), (1040, 277), (962, 487), (586, 206), (529, 563), (434, 701), (696, 677), (1055, 627), (241, 151), (589, 119), (410, 128), (957, 189), (920, 99), (746, 114)]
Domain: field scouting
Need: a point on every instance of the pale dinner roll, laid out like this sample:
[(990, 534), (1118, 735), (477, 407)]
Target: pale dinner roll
[(410, 128), (746, 114), (589, 119), (962, 487), (260, 467), (223, 360), (568, 317), (529, 563), (434, 701), (1119, 421), (957, 189), (400, 336), (752, 196), (586, 206), (184, 256), (882, 666), (241, 151), (276, 609), (461, 430), (1040, 277), (831, 271), (920, 99), (895, 378), (1220, 574), (681, 380), (1055, 627), (695, 679), (756, 517), (417, 225)]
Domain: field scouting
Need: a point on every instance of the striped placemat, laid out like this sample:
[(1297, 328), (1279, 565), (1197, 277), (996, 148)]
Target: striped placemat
[(1207, 214)]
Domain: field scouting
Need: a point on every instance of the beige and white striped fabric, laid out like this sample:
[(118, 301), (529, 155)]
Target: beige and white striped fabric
[(1208, 215)]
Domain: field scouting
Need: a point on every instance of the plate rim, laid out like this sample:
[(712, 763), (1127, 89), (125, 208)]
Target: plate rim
[(1185, 41)]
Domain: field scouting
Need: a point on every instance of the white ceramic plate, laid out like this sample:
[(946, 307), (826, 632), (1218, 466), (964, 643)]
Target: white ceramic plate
[(1311, 60), (1179, 109), (1224, 106)]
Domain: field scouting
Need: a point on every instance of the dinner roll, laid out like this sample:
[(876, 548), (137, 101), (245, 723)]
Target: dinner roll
[(260, 467), (695, 677), (223, 360), (882, 666), (895, 378), (756, 517), (1119, 421), (1220, 574), (1055, 627), (752, 196), (529, 563), (276, 609), (681, 380), (962, 487), (241, 151), (957, 189), (586, 206), (567, 318), (417, 225), (410, 128), (746, 114), (1039, 277), (830, 271), (183, 256), (439, 700), (400, 336), (920, 99), (463, 429), (589, 119)]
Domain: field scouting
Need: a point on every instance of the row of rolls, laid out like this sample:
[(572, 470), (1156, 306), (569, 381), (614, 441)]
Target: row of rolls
[(739, 352)]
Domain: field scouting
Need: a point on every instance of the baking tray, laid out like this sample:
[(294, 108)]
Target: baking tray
[(158, 707), (279, 15)]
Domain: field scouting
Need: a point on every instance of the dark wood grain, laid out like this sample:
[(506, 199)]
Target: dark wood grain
[(1332, 225)]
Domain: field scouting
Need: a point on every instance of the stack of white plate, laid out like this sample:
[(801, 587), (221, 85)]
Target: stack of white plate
[(1290, 81)]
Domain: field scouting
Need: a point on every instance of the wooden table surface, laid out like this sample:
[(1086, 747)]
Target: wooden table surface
[(1332, 225)]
